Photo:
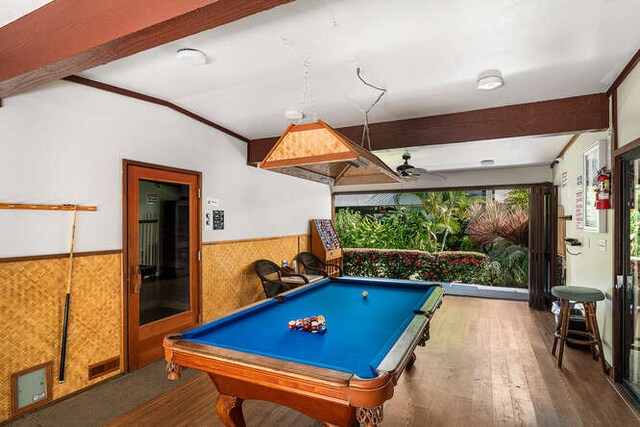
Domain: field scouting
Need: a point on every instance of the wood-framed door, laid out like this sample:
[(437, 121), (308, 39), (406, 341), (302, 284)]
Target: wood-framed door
[(627, 269), (543, 241), (161, 268)]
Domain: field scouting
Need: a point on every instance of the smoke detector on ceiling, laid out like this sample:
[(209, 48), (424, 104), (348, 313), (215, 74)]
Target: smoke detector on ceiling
[(192, 57), (490, 80), (294, 115)]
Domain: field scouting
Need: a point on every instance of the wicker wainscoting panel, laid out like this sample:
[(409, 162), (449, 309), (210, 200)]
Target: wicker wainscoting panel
[(304, 243), (228, 278), (31, 312)]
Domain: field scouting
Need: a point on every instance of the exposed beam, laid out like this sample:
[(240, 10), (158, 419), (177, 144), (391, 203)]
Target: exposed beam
[(153, 100), (65, 37), (567, 115), (337, 192)]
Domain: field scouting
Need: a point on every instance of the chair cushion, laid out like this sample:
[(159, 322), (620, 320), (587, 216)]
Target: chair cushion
[(577, 293)]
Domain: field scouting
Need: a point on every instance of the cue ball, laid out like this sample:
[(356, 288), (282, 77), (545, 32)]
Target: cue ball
[(365, 294)]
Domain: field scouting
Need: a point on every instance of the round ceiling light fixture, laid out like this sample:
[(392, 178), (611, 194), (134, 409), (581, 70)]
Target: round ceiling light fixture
[(488, 162), (490, 80), (294, 115), (192, 57)]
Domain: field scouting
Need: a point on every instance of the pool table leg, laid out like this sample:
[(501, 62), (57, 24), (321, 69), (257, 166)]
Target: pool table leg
[(369, 417), (411, 361), (230, 411)]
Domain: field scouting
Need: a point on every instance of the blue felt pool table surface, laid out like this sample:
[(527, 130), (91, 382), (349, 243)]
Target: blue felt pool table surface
[(361, 331)]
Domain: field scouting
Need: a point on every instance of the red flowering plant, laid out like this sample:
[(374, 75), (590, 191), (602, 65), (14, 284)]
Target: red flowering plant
[(463, 267)]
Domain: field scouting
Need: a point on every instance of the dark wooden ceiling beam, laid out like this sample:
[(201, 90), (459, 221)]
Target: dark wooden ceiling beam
[(65, 37), (558, 116)]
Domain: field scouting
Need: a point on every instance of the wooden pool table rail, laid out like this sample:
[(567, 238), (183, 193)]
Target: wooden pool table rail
[(335, 397), (417, 333)]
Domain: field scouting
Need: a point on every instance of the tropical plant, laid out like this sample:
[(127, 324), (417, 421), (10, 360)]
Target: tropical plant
[(508, 265), (493, 220), (448, 212), (347, 223), (518, 197), (401, 228), (634, 232)]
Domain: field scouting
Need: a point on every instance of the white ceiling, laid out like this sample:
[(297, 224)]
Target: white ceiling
[(426, 52), (10, 10), (507, 152)]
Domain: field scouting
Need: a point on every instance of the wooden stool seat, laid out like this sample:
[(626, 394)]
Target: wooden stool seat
[(588, 298)]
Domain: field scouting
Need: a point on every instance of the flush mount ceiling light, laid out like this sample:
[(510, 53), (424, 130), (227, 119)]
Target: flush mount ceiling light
[(488, 162), (192, 57), (490, 80)]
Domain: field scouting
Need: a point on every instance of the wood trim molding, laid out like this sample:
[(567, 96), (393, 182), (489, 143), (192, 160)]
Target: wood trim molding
[(614, 119), (127, 162), (568, 145), (627, 147), (253, 239), (635, 59), (56, 256), (153, 100), (553, 117), (75, 35), (436, 189)]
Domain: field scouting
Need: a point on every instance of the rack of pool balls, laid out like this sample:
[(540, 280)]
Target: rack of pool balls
[(313, 324)]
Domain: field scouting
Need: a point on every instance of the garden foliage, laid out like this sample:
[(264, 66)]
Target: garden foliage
[(452, 237)]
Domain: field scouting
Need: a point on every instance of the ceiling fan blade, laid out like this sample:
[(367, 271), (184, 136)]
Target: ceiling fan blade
[(416, 171)]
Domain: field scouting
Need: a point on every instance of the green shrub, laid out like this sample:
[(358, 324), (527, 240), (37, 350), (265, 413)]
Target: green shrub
[(509, 265), (402, 228)]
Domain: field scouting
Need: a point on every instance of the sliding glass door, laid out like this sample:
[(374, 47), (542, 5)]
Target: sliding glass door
[(628, 282)]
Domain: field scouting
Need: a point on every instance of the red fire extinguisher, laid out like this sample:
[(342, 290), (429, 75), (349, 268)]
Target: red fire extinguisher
[(602, 185)]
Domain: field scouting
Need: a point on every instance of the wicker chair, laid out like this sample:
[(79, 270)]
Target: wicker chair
[(313, 265), (271, 275)]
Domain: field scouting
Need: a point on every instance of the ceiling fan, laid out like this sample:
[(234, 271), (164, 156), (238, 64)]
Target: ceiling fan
[(407, 171)]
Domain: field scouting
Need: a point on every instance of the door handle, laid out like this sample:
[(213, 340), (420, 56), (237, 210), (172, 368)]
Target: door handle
[(136, 279), (619, 282)]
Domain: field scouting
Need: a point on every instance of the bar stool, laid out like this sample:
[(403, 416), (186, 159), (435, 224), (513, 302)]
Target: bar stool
[(588, 297)]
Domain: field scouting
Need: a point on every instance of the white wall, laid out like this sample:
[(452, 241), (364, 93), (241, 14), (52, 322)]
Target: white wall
[(64, 143), (592, 267), (629, 108), (468, 178)]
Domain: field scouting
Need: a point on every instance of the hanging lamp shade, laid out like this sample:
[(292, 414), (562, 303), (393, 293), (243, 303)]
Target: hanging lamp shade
[(316, 152)]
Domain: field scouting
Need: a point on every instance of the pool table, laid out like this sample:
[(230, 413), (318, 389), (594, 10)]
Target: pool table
[(342, 377)]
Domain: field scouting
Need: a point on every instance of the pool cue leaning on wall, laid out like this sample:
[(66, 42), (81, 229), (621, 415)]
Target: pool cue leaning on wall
[(65, 207), (67, 298)]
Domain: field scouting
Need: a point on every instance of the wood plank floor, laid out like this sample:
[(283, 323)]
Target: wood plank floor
[(488, 363)]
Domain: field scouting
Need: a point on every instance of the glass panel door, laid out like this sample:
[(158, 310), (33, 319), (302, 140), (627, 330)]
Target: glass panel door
[(163, 215), (629, 290), (162, 271)]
